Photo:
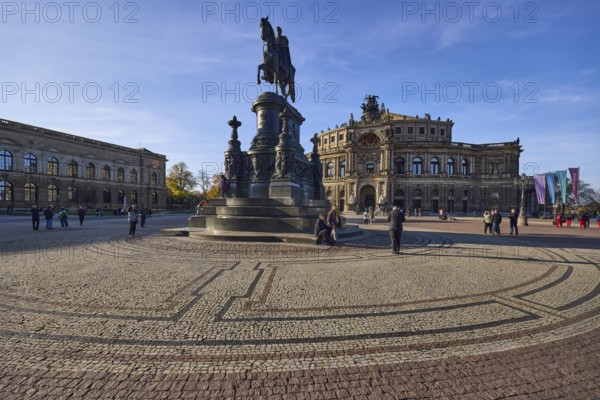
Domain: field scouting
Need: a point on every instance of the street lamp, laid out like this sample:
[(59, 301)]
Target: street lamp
[(522, 182)]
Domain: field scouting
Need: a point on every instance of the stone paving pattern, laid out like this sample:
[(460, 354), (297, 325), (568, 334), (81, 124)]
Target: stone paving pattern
[(90, 313)]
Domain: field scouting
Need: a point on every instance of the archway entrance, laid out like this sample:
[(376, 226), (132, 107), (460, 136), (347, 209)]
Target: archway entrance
[(367, 197)]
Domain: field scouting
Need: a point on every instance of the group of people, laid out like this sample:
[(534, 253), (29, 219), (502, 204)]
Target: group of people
[(63, 216), (369, 216), (584, 219), (492, 222), (326, 226)]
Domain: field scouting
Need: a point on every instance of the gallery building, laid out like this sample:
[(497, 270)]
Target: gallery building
[(46, 167), (387, 159)]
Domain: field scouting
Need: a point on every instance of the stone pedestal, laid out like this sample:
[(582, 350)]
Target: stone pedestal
[(274, 186)]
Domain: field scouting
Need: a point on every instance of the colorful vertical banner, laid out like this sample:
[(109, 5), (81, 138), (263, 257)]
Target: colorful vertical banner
[(575, 181), (551, 186), (540, 188), (562, 180)]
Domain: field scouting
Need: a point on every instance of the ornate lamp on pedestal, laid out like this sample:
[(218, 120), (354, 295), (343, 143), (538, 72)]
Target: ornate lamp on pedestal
[(523, 183)]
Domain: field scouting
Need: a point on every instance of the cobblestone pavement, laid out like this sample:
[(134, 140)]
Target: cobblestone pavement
[(87, 312)]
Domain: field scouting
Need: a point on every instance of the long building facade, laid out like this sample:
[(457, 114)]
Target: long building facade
[(387, 159), (46, 167)]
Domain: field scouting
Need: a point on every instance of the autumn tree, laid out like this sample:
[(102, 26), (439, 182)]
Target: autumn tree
[(181, 183)]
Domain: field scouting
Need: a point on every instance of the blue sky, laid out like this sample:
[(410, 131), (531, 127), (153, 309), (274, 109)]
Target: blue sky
[(172, 73)]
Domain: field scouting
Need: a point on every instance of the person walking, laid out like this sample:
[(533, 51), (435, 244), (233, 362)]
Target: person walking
[(48, 215), (81, 215), (396, 218), (366, 217), (63, 216), (598, 221), (487, 222), (132, 218), (372, 216), (143, 216), (513, 219), (35, 217)]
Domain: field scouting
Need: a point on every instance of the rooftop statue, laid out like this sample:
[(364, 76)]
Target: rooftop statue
[(277, 64)]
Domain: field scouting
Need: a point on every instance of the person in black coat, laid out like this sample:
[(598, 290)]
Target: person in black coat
[(323, 231), (35, 217), (396, 218)]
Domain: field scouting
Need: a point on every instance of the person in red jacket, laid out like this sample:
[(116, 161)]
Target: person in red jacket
[(559, 220)]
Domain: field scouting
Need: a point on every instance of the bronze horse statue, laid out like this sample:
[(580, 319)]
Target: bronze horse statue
[(277, 66)]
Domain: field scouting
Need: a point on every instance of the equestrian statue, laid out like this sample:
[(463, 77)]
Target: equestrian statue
[(277, 64)]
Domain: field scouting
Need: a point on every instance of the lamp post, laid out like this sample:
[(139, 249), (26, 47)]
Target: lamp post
[(522, 182)]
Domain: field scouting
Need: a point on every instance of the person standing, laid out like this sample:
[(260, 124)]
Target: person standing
[(372, 216), (132, 218), (496, 221), (558, 220), (598, 221), (63, 216), (35, 217), (513, 218), (366, 217), (143, 216), (48, 215), (81, 215), (396, 218), (487, 222), (333, 221)]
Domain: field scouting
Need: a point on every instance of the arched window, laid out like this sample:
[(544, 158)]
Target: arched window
[(72, 193), (31, 192), (106, 175), (343, 168), (120, 175), (133, 176), (434, 166), (30, 163), (52, 193), (6, 160), (464, 166), (120, 196), (399, 165), (134, 197), (450, 167), (106, 195), (417, 193), (72, 169), (6, 191), (417, 166), (330, 170), (435, 193), (399, 193), (154, 198), (52, 166), (154, 179), (90, 171)]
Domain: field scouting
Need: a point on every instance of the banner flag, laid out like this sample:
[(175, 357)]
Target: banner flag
[(124, 204), (562, 180), (551, 186), (540, 188), (575, 181)]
